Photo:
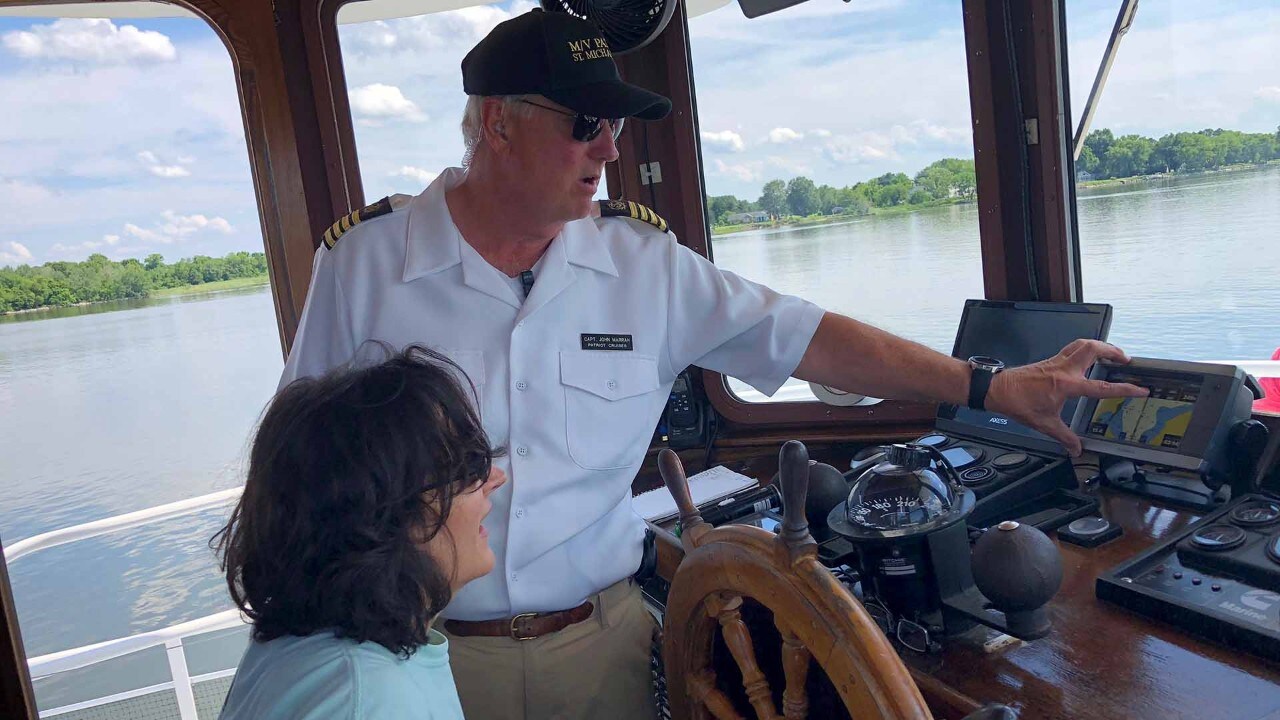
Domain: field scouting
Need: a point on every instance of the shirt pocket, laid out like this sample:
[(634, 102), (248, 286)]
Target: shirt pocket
[(608, 406), (472, 364)]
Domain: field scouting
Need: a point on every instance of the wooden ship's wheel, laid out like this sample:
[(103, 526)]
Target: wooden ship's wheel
[(818, 619)]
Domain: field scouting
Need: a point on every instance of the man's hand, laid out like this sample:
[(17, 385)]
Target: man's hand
[(1034, 394)]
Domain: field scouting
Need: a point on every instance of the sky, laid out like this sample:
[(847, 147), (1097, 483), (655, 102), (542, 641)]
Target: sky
[(124, 136)]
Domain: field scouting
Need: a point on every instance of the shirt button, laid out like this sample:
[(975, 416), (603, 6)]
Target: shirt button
[(613, 384), (522, 451), (513, 577), (521, 385), (519, 512)]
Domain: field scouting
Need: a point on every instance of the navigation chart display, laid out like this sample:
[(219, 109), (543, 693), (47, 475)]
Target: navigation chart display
[(1159, 420)]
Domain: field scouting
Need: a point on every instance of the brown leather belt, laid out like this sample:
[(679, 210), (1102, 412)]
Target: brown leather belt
[(525, 626)]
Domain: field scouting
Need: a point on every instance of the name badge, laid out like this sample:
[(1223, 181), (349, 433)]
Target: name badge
[(598, 341)]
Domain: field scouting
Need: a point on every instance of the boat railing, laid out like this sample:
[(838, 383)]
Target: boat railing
[(170, 637), (84, 531)]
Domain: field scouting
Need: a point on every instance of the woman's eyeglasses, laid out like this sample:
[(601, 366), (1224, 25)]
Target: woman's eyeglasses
[(585, 127)]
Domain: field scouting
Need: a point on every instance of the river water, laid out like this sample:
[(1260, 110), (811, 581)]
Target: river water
[(111, 409)]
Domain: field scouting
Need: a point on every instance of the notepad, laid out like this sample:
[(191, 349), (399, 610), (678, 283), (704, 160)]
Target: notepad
[(707, 486)]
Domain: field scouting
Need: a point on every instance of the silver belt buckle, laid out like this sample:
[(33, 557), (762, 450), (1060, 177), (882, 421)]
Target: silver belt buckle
[(515, 635)]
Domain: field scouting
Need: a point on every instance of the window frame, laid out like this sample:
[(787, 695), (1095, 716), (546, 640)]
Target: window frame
[(1031, 38)]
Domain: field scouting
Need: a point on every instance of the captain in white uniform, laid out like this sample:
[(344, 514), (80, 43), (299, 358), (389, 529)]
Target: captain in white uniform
[(572, 330)]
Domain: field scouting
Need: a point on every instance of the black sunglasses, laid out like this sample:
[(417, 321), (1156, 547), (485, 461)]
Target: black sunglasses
[(585, 127)]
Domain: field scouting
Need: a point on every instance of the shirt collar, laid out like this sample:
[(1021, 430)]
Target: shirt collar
[(431, 238), (584, 246), (433, 242)]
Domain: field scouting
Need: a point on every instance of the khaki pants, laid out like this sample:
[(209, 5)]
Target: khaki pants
[(598, 668)]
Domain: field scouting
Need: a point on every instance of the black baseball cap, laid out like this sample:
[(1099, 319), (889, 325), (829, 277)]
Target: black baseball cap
[(562, 58)]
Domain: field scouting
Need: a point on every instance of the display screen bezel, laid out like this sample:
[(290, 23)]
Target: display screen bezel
[(1216, 384)]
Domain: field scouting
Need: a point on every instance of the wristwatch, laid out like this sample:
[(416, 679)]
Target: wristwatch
[(981, 370)]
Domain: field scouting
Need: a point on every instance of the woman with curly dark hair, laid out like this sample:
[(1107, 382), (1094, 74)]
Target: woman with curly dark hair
[(360, 518)]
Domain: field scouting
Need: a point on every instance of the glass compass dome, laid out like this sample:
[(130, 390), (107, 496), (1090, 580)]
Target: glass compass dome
[(904, 494)]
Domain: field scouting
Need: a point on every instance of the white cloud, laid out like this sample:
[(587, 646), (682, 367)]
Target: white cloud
[(869, 147), (921, 130), (147, 236), (460, 28), (821, 133), (378, 101), (368, 37), (416, 174), (172, 227), (169, 171), (157, 168), (13, 252), (1270, 93), (792, 165), (742, 172), (781, 135), (723, 140), (175, 224), (79, 250), (852, 150), (22, 195), (90, 40)]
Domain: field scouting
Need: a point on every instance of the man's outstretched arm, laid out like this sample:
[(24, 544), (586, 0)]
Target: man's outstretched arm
[(853, 356)]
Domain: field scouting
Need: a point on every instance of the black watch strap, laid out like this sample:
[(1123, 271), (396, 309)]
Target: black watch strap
[(981, 371), (979, 384)]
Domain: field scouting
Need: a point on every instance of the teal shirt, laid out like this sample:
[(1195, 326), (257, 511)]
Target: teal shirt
[(322, 676)]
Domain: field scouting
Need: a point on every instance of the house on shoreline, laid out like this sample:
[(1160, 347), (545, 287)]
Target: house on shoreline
[(742, 218)]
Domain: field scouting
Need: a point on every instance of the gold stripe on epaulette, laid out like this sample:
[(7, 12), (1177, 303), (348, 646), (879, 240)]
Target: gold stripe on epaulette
[(633, 210), (350, 220)]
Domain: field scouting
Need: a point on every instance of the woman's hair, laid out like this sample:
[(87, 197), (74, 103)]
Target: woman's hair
[(349, 476)]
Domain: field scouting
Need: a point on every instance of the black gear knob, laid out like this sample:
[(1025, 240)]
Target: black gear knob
[(1019, 570)]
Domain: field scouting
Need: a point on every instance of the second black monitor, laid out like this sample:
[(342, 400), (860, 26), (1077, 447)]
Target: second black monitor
[(1019, 333)]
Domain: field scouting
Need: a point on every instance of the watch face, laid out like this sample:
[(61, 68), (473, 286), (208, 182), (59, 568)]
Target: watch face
[(984, 362)]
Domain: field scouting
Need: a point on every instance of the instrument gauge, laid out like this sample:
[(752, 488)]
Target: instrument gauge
[(1218, 537), (1009, 461), (1257, 512)]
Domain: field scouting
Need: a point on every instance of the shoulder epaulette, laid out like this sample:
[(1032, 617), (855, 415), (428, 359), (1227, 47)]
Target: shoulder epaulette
[(350, 220), (636, 211)]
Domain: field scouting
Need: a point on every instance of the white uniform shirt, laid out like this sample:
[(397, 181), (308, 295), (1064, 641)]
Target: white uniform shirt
[(576, 420)]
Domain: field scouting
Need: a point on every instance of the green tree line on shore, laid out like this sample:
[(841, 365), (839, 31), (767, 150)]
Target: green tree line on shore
[(1105, 156), (98, 278), (950, 179)]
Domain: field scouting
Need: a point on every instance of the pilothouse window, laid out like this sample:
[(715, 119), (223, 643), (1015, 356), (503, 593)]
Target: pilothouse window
[(1178, 180), (125, 186), (838, 160), (405, 88)]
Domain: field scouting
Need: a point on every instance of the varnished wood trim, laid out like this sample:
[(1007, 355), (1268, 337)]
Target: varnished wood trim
[(1024, 197), (1049, 159), (664, 67), (943, 701), (16, 696), (320, 26), (811, 414), (995, 265)]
